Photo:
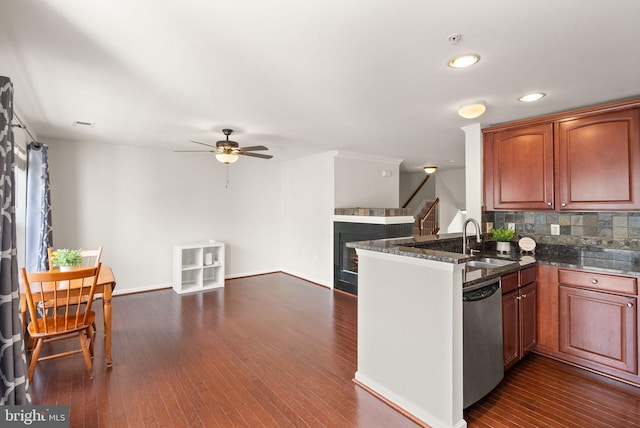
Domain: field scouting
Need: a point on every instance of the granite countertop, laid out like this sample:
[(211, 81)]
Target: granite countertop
[(448, 249), (432, 247)]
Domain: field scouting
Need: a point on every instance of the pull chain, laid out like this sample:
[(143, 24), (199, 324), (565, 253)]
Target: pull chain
[(227, 183)]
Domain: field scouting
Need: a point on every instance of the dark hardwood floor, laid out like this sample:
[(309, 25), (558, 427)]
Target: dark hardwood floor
[(541, 392), (277, 351)]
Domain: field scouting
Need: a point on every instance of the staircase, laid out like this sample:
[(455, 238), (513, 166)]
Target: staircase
[(427, 219), (426, 214)]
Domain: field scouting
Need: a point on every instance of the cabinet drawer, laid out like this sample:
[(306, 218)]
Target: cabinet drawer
[(509, 282), (616, 284), (528, 275)]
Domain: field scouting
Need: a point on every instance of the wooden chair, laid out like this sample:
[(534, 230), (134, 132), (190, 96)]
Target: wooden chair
[(54, 302), (89, 258)]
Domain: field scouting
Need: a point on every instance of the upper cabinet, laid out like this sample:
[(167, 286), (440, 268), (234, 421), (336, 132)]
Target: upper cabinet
[(522, 172), (583, 160), (599, 161)]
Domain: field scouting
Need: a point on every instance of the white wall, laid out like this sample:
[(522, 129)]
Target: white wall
[(311, 188), (473, 162), (307, 226), (409, 182), (450, 188), (138, 202), (359, 181), (454, 181)]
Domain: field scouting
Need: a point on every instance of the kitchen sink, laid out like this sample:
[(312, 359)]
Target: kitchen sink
[(489, 263)]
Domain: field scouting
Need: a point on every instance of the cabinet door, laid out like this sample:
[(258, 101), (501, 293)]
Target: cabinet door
[(527, 318), (599, 327), (523, 168), (547, 308), (599, 161), (510, 329)]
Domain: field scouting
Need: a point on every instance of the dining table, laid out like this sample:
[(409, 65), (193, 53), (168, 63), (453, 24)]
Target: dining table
[(105, 285)]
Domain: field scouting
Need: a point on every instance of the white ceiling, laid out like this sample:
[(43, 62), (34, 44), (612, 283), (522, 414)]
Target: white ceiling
[(304, 77)]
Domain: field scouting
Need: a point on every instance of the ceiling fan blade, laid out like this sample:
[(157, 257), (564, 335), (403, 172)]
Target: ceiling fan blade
[(253, 148), (254, 155), (204, 144), (194, 151)]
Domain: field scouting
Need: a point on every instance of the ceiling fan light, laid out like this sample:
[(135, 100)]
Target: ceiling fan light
[(473, 110), (430, 169), (226, 157)]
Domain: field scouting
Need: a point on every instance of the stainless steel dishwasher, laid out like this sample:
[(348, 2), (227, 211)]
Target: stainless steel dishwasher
[(482, 340)]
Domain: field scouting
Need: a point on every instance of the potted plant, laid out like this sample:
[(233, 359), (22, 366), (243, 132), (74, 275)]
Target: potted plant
[(66, 259), (503, 239)]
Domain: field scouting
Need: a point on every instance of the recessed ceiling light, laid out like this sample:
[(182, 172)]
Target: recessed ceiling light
[(464, 61), (534, 96), (83, 124), (472, 110)]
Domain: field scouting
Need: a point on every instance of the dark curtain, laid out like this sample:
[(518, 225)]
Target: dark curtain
[(13, 361)]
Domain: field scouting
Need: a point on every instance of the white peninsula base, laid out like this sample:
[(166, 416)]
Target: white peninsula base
[(410, 335)]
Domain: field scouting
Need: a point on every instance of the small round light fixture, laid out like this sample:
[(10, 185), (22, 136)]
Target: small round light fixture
[(226, 157), (472, 110), (430, 169), (534, 96), (464, 61)]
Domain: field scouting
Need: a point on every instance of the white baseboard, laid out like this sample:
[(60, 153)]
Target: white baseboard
[(254, 273), (288, 272), (123, 291), (318, 281)]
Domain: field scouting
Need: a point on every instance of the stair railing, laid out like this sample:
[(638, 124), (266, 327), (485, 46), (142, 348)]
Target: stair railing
[(429, 220), (416, 191)]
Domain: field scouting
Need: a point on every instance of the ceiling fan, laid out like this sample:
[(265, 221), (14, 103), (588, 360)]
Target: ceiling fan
[(227, 151)]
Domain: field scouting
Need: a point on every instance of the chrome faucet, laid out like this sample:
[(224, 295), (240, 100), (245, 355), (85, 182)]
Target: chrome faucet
[(464, 233)]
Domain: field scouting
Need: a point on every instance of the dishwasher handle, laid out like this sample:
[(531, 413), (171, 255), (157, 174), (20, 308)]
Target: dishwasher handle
[(481, 292)]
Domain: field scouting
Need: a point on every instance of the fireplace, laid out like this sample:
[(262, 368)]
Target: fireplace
[(345, 260)]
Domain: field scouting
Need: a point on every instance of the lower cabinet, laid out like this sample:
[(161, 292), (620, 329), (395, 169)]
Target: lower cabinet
[(590, 320), (528, 319), (598, 327), (518, 315)]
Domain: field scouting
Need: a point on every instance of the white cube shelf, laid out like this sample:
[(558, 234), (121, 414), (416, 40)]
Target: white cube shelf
[(198, 267)]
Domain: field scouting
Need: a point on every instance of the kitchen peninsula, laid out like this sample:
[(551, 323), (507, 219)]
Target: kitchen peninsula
[(410, 324), (410, 329)]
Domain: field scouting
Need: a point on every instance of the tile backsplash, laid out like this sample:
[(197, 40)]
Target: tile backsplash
[(599, 229)]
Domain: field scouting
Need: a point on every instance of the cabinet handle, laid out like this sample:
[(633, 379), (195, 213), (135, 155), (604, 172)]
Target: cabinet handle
[(594, 281), (549, 203), (564, 205), (524, 296), (517, 298), (629, 305)]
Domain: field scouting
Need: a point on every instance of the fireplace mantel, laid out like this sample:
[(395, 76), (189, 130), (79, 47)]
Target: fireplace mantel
[(373, 215)]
